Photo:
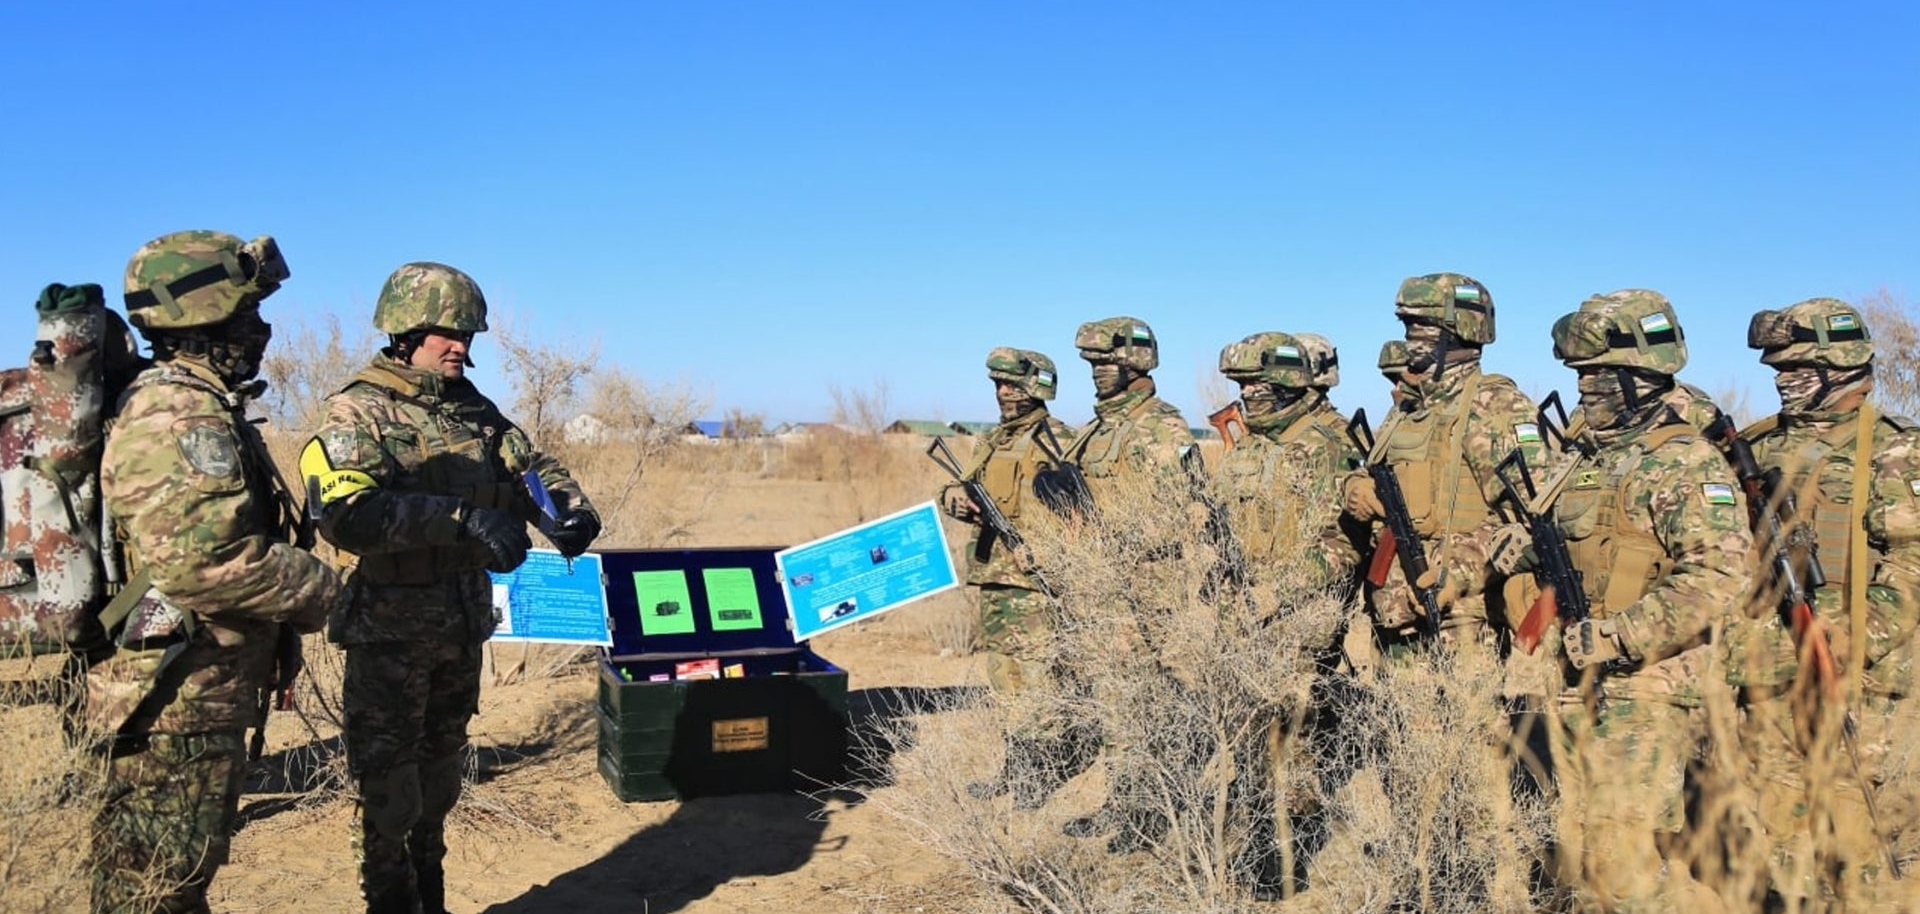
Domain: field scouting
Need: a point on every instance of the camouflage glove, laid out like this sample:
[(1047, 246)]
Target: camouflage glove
[(1592, 643), (1360, 501), (1512, 550), (574, 532), (1397, 604), (503, 536)]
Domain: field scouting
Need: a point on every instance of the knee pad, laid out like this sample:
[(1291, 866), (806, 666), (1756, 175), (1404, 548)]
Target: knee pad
[(390, 800)]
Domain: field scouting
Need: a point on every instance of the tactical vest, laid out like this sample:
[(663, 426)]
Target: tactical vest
[(1828, 509), (1101, 448), (1250, 469), (1428, 454), (1619, 562), (442, 448)]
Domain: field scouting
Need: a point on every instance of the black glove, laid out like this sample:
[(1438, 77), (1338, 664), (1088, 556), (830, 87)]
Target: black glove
[(574, 532), (503, 536)]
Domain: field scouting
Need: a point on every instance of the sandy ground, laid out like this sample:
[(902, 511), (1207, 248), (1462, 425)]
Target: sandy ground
[(543, 832)]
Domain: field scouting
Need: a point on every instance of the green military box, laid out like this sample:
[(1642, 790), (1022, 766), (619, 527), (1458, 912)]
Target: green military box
[(775, 721)]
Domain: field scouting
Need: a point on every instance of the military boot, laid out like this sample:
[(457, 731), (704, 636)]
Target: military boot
[(1045, 768), (1099, 822), (1139, 830)]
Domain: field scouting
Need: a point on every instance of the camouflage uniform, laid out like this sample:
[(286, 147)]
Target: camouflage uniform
[(405, 461), (1809, 796), (1133, 433), (1654, 522), (194, 493)]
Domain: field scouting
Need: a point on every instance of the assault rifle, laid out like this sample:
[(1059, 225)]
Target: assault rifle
[(1231, 565), (1061, 487), (993, 520), (288, 661), (1398, 539), (1563, 592), (1226, 420)]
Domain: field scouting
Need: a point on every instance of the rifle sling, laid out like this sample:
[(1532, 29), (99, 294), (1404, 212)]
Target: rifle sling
[(1857, 551)]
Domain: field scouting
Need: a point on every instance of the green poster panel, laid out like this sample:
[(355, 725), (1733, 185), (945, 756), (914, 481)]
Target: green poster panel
[(733, 602), (665, 606)]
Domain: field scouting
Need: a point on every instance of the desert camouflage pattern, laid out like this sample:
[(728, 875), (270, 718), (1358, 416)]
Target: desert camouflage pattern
[(426, 294), (1444, 438), (189, 482), (1818, 331), (1455, 301), (409, 450), (167, 825), (1132, 432), (191, 486), (401, 454), (1125, 340), (1031, 372), (1004, 461), (1280, 359), (52, 430), (1630, 328), (1290, 466), (1392, 361), (200, 278), (1324, 357)]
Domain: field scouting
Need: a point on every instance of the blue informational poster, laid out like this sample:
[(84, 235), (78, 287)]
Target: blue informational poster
[(550, 599), (863, 571)]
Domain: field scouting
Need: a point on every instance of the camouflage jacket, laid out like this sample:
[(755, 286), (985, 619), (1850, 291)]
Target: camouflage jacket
[(1444, 440), (1132, 432), (1004, 461), (194, 493), (1815, 452), (421, 450), (1277, 475), (1655, 523)]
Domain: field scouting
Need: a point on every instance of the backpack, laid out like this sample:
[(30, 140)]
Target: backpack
[(58, 564)]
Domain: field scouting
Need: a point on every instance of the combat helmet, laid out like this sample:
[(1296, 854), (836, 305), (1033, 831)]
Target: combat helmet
[(1125, 340), (424, 295), (1031, 372), (1451, 300), (1393, 360), (1280, 359), (199, 279), (1818, 331), (1630, 328), (1322, 357)]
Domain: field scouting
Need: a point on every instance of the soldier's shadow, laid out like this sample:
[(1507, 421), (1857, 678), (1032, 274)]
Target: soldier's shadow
[(709, 841)]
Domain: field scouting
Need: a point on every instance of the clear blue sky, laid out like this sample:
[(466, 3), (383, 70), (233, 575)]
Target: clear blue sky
[(762, 199)]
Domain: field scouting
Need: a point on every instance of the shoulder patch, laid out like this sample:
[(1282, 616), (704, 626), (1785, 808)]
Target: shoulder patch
[(1717, 493), (1913, 485), (208, 447), (1587, 479), (1526, 432)]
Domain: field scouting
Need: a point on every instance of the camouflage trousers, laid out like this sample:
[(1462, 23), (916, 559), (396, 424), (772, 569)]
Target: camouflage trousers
[(166, 823), (1015, 625), (1621, 765), (407, 707), (1825, 850)]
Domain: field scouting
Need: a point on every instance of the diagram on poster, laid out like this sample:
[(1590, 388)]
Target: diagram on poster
[(863, 571), (550, 599)]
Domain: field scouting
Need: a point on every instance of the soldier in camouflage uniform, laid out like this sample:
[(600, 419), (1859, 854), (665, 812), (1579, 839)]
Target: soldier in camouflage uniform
[(1452, 424), (421, 476), (1133, 433), (1393, 365), (1853, 477), (189, 483), (1656, 525), (1015, 615), (1287, 468)]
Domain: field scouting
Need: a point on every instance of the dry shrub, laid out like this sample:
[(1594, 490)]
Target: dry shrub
[(1896, 350)]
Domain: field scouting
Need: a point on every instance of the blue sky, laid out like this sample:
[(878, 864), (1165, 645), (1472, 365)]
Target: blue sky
[(765, 199)]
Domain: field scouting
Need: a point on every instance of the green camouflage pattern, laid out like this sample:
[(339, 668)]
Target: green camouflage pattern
[(1455, 301), (1277, 475), (1280, 359), (426, 294), (1132, 432), (1621, 770), (430, 447), (254, 269), (1324, 357), (420, 449), (1630, 328), (1032, 372), (1818, 331), (1393, 360), (1004, 461), (190, 484), (166, 825), (1127, 341), (1815, 454)]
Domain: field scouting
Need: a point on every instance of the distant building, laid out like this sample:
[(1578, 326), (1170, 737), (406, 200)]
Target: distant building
[(932, 428), (972, 428)]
